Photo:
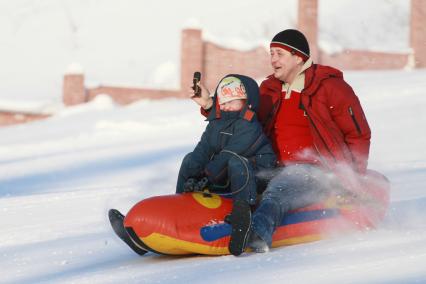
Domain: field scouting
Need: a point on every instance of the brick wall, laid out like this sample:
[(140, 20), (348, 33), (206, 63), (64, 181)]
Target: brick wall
[(74, 92), (73, 89), (191, 56), (215, 61), (362, 60), (219, 61), (418, 32), (357, 59), (126, 96), (308, 24), (10, 118)]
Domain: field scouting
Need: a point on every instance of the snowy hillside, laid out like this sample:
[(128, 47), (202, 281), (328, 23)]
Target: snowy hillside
[(58, 178)]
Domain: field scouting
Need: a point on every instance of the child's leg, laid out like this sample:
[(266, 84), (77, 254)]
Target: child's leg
[(242, 180), (240, 220), (243, 185), (188, 168)]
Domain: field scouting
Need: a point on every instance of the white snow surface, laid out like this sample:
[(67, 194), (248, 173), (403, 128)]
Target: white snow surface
[(59, 177)]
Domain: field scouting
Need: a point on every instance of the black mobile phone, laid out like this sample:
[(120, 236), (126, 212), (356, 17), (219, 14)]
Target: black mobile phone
[(195, 87)]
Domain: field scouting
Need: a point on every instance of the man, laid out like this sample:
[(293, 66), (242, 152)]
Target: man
[(318, 131)]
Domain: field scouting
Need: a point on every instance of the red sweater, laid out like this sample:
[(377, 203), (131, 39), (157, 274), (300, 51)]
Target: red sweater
[(291, 137)]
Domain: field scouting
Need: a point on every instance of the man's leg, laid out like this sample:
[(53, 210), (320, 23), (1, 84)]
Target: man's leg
[(294, 187)]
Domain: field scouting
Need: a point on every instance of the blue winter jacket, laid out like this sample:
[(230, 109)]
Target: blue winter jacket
[(237, 132)]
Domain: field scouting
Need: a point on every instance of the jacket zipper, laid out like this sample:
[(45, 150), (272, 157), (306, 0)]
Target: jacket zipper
[(354, 120), (317, 131)]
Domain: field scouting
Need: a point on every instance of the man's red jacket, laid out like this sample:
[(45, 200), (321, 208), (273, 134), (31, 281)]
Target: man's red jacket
[(339, 128)]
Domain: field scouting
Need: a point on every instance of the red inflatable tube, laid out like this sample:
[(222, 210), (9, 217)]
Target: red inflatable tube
[(193, 223)]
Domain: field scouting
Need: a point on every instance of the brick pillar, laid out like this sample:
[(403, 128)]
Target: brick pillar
[(308, 24), (418, 32), (191, 56), (73, 91)]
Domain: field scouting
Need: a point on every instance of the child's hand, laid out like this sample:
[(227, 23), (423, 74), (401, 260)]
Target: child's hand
[(189, 185), (194, 184), (205, 101)]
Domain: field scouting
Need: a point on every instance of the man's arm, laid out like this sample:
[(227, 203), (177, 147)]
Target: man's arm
[(350, 118)]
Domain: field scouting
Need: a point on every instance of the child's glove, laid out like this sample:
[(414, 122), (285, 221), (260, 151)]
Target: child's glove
[(189, 185), (193, 184), (203, 183)]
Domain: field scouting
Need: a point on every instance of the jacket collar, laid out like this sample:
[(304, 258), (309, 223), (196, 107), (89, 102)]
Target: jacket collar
[(313, 74), (225, 115), (298, 83)]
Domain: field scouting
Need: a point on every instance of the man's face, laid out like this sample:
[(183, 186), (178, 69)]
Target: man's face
[(285, 65)]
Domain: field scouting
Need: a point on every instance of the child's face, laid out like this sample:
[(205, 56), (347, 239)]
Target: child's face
[(235, 105)]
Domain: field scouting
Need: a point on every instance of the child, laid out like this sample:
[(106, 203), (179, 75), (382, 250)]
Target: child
[(231, 150)]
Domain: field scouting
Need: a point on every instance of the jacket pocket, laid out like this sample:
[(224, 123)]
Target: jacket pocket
[(354, 120), (224, 137)]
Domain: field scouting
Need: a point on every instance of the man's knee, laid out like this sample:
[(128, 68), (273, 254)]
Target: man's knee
[(288, 178), (281, 188)]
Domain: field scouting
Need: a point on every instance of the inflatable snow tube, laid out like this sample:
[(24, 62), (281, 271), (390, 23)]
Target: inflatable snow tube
[(193, 223)]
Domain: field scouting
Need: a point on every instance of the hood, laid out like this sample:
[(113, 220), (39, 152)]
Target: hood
[(316, 74), (252, 102)]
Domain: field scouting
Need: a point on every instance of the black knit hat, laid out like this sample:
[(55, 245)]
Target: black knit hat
[(293, 41)]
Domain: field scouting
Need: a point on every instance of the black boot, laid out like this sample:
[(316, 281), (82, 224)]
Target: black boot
[(240, 220), (117, 219)]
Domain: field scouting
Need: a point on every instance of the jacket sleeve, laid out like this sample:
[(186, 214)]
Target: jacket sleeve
[(205, 112), (242, 142), (267, 107), (350, 118), (202, 152), (264, 105)]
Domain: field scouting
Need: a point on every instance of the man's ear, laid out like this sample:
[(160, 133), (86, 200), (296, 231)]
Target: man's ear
[(299, 60)]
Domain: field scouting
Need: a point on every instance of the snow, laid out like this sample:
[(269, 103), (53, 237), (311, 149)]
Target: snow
[(349, 24), (236, 43), (29, 106), (74, 69), (59, 177)]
